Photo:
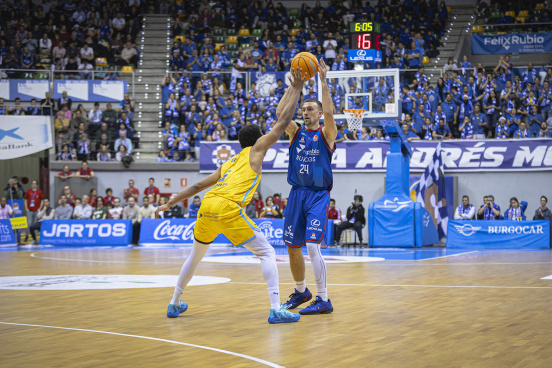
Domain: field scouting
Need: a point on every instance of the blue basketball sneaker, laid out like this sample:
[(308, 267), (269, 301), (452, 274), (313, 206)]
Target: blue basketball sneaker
[(318, 307), (297, 298), (283, 316), (174, 311)]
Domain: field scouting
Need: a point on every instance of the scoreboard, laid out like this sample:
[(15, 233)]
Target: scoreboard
[(364, 41)]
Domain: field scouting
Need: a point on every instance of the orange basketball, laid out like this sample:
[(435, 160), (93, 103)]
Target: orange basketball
[(307, 62)]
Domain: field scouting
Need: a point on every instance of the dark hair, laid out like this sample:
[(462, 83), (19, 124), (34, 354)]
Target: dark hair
[(466, 197), (108, 190), (249, 135), (514, 199), (546, 199), (332, 200), (315, 101), (359, 197)]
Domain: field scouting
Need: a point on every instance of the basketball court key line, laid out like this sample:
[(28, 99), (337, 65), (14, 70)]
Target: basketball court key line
[(154, 339)]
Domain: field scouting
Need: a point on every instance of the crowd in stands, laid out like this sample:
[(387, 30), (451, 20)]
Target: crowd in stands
[(68, 35), (530, 16), (489, 210), (101, 135)]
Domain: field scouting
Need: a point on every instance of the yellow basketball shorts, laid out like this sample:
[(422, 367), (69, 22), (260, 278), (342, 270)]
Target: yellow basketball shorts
[(221, 216)]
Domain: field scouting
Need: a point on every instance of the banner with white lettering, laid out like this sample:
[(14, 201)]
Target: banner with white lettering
[(6, 233), (501, 234), (512, 43), (180, 231), (458, 155), (86, 232), (24, 135)]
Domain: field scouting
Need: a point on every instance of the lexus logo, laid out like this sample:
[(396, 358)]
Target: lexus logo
[(315, 222), (361, 53)]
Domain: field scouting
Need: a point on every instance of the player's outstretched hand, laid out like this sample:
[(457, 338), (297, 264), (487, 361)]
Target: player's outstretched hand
[(296, 81), (322, 69), (162, 208)]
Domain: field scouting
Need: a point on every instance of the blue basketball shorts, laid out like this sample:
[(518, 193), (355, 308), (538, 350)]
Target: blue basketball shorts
[(306, 216)]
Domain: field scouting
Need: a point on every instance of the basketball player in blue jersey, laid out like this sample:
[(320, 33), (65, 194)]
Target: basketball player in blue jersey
[(310, 175), (222, 209)]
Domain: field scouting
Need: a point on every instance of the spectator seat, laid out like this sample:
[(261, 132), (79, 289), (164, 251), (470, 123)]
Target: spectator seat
[(511, 13), (218, 46), (232, 39), (232, 47), (244, 32), (425, 60), (127, 69), (523, 13), (101, 61), (477, 29), (234, 53), (218, 39), (520, 19), (180, 39), (257, 33), (495, 14), (218, 32), (231, 32), (245, 45), (449, 9), (294, 31), (294, 12), (297, 24), (539, 6)]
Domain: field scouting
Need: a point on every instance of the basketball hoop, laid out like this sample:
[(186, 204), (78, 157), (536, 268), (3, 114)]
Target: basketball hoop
[(354, 118)]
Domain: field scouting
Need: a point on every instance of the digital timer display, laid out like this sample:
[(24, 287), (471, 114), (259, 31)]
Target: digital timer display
[(364, 41), (364, 27)]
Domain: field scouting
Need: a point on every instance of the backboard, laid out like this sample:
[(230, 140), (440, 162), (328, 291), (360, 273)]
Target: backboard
[(377, 91)]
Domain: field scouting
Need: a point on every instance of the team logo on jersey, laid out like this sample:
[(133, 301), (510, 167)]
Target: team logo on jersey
[(222, 154), (301, 147), (288, 232), (313, 236), (315, 138), (315, 222)]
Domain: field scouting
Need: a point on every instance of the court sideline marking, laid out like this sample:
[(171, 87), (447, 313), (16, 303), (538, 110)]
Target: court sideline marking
[(384, 263), (155, 339), (420, 286)]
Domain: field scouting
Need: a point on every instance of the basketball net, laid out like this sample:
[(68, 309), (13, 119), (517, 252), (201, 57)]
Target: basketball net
[(354, 118)]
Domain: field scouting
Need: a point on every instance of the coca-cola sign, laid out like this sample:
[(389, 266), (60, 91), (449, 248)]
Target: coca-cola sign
[(167, 231)]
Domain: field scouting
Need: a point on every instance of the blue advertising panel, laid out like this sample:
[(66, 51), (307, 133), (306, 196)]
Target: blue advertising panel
[(355, 156), (502, 234), (364, 55), (180, 231), (512, 43), (6, 233), (86, 232)]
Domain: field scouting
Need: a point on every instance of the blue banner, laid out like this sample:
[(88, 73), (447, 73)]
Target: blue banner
[(6, 233), (355, 156), (512, 43), (268, 80), (91, 90), (86, 232), (180, 231), (500, 234), (25, 89), (364, 55)]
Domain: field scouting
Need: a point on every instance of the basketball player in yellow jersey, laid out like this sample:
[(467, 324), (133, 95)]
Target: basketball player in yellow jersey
[(222, 208)]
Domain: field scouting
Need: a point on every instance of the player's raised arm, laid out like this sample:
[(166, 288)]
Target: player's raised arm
[(190, 191), (291, 127), (286, 114), (329, 130)]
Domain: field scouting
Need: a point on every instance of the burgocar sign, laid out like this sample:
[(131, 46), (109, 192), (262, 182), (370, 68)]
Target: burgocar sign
[(86, 232), (500, 234), (512, 43)]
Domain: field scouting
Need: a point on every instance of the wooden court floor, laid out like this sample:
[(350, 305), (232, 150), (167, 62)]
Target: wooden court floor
[(480, 309)]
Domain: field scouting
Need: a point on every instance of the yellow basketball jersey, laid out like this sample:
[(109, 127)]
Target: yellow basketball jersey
[(238, 181)]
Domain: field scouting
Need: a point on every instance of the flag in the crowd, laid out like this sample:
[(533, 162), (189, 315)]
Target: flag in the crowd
[(431, 192)]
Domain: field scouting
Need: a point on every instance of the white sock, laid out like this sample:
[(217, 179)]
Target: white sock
[(319, 268), (301, 286), (188, 269), (262, 249), (274, 296)]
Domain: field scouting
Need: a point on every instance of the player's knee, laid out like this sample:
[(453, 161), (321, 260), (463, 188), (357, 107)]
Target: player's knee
[(313, 247)]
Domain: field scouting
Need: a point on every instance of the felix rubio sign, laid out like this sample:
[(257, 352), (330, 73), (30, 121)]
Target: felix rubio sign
[(519, 43), (458, 155)]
